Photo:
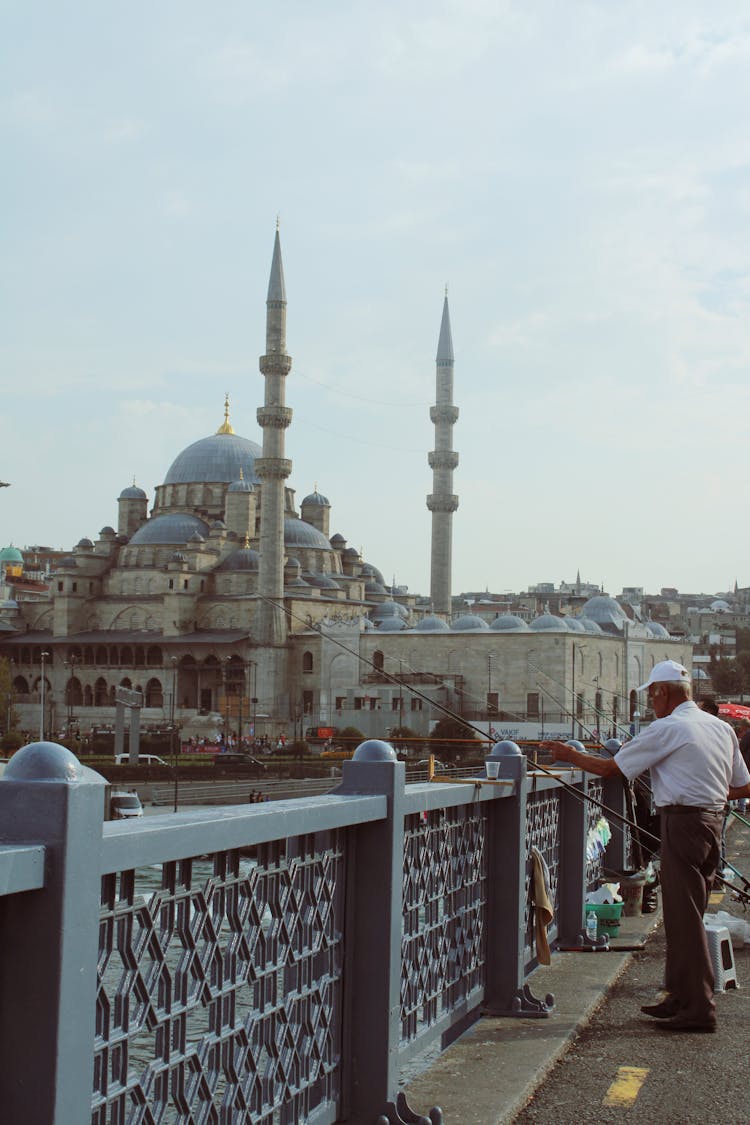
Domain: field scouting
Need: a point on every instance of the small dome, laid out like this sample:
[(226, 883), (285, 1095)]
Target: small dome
[(372, 571), (218, 525), (11, 555), (243, 559), (548, 623), (85, 544), (432, 624), (322, 581), (317, 498), (657, 630), (338, 540), (241, 486), (574, 625), (132, 492), (720, 606), (171, 527), (297, 533), (107, 532), (589, 625), (374, 589), (196, 537), (508, 623), (351, 553), (469, 621), (391, 625), (389, 609)]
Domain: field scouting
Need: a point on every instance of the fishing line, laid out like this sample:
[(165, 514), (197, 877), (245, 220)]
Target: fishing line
[(583, 798)]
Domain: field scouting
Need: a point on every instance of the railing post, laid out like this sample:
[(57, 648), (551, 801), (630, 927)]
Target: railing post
[(49, 939), (372, 1029), (506, 880), (572, 888)]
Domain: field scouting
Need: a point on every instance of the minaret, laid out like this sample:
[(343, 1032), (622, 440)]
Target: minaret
[(273, 468), (443, 502)]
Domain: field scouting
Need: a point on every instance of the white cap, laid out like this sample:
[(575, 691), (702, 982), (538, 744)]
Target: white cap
[(665, 672)]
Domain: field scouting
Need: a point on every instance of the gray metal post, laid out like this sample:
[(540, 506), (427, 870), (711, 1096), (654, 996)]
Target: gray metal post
[(572, 888), (373, 971), (506, 881), (49, 939), (119, 729)]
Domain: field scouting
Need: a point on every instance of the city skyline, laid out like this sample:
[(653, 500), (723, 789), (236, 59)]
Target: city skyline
[(578, 177)]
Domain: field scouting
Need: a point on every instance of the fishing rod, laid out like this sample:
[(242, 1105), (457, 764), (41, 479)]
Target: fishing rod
[(447, 711), (579, 796)]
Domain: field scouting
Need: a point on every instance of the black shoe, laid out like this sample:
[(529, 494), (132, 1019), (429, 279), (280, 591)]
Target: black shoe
[(664, 1010), (684, 1023)]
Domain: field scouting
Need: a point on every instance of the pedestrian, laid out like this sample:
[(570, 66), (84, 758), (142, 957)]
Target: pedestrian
[(696, 766)]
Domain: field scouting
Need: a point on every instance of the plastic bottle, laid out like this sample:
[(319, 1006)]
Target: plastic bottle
[(591, 924)]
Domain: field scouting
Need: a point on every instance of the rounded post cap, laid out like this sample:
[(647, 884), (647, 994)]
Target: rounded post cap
[(374, 750)]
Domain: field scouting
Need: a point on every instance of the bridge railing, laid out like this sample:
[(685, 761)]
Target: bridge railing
[(272, 963)]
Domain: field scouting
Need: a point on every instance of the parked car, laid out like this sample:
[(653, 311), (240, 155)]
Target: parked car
[(143, 760), (424, 764), (236, 760), (125, 806)]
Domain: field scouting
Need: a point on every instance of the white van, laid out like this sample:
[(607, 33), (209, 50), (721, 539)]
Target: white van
[(143, 760)]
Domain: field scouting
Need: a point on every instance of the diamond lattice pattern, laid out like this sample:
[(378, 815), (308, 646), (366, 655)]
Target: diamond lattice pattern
[(219, 987)]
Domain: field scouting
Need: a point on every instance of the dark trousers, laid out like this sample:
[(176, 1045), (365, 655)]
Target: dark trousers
[(690, 848)]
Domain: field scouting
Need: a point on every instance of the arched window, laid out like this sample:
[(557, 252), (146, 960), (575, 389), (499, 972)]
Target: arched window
[(100, 692), (154, 696), (307, 662), (126, 657), (154, 657), (378, 660), (20, 685), (88, 655), (102, 657), (74, 692), (140, 660), (126, 682), (88, 696)]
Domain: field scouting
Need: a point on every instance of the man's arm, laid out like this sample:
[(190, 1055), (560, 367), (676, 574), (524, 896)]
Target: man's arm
[(736, 792), (591, 763)]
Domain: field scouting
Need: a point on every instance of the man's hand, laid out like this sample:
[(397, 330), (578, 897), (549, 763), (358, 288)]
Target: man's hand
[(559, 750)]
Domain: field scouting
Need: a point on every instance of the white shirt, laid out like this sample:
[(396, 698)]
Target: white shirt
[(693, 757)]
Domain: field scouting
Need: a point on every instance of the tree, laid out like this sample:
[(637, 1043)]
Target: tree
[(350, 737), (452, 737), (726, 677)]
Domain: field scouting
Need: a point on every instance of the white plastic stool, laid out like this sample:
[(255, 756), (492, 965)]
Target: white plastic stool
[(722, 957)]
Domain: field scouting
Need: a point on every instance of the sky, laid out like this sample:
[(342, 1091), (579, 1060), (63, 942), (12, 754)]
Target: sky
[(578, 174)]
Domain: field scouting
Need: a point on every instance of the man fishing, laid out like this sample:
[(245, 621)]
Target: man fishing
[(696, 766)]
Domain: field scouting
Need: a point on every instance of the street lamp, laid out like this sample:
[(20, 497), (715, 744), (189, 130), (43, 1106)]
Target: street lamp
[(70, 663), (45, 656)]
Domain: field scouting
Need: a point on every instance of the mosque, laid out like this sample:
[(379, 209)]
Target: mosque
[(225, 607)]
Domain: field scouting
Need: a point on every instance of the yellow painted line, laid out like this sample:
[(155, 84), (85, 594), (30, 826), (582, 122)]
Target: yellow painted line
[(625, 1088), (715, 898)]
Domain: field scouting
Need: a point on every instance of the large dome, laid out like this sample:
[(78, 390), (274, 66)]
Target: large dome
[(215, 459), (606, 612)]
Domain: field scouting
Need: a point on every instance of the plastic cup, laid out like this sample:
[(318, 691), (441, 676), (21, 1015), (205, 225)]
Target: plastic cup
[(492, 768)]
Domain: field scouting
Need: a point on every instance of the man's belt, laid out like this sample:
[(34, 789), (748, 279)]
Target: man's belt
[(687, 809)]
